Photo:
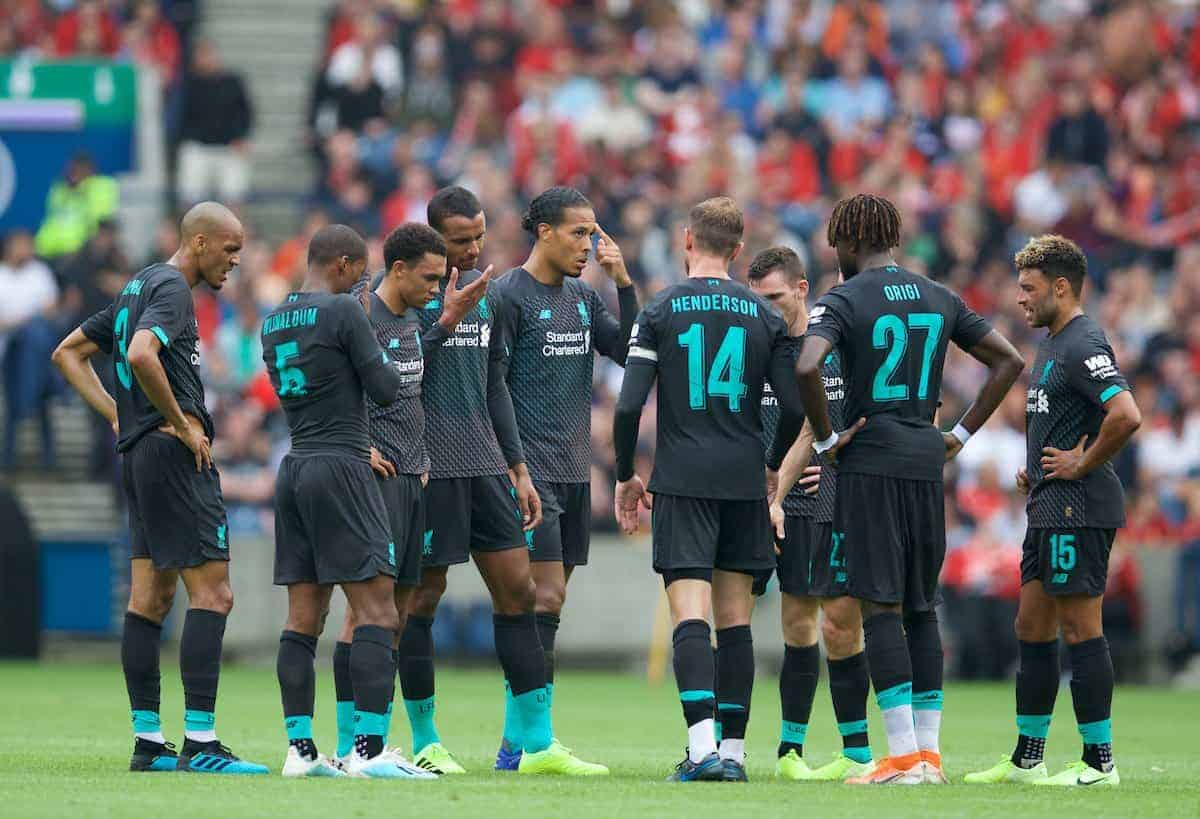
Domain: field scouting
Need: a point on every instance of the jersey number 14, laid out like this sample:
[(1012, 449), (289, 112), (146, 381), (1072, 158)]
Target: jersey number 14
[(725, 378)]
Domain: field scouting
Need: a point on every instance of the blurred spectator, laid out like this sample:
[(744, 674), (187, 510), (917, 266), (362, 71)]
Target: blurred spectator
[(214, 132), (87, 30), (151, 41), (74, 207), (27, 337)]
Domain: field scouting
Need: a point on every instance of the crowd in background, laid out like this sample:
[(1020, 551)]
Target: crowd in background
[(986, 123)]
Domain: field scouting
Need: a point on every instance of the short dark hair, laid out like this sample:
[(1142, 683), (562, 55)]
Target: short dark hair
[(865, 222), (716, 225), (451, 201), (410, 242), (549, 207), (332, 242), (1055, 256), (780, 258)]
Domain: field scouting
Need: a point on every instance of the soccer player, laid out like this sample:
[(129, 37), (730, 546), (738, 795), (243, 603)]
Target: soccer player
[(176, 514), (1079, 413), (549, 322), (331, 525), (415, 255), (810, 574), (711, 343), (892, 328), (479, 503)]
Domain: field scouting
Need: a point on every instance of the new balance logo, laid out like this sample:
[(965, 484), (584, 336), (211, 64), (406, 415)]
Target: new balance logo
[(544, 315), (1059, 578), (1100, 366), (394, 344)]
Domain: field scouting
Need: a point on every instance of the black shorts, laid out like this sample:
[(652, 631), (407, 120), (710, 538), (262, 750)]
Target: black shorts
[(331, 525), (404, 499), (176, 514), (566, 530), (893, 534), (827, 565), (705, 533), (463, 515), (802, 538), (1067, 561)]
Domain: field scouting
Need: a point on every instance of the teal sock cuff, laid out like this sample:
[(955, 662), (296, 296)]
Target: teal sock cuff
[(1035, 725), (861, 754), (1096, 733), (420, 718), (198, 720), (367, 723), (847, 729), (345, 727), (535, 720), (717, 730), (512, 721), (793, 732), (927, 700), (696, 695), (146, 722), (730, 706), (894, 697), (298, 727)]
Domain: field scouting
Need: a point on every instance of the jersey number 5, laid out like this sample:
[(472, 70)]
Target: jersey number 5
[(891, 333), (291, 379), (724, 380)]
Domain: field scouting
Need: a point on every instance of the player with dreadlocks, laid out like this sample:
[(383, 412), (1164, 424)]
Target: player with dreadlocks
[(892, 328)]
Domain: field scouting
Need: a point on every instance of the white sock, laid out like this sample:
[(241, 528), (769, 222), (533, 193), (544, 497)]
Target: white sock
[(734, 749), (702, 740), (156, 736), (928, 726), (901, 733), (201, 736)]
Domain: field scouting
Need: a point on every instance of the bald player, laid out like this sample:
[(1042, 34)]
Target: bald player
[(176, 514)]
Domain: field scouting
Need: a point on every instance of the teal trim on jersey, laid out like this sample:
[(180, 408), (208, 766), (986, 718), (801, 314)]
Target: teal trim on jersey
[(345, 727), (545, 315), (1096, 733), (298, 727), (847, 729), (198, 720), (730, 706), (793, 732), (420, 719), (695, 695), (1114, 390), (146, 722), (1033, 725), (370, 724), (894, 697), (858, 754), (535, 720), (927, 700), (162, 335), (434, 304), (1046, 371)]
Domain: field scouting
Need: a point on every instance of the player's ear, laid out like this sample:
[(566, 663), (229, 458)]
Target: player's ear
[(737, 250), (802, 286)]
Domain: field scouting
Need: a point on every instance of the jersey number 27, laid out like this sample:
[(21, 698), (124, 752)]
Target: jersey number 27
[(891, 333)]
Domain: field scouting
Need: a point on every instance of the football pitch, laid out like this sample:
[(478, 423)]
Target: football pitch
[(65, 743)]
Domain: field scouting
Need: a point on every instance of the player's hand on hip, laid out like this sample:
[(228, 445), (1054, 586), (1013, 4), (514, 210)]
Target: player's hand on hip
[(457, 302), (193, 438), (810, 479), (1022, 481), (424, 479), (626, 498), (611, 260), (772, 484), (382, 466), (777, 523), (1063, 464), (844, 437), (953, 445)]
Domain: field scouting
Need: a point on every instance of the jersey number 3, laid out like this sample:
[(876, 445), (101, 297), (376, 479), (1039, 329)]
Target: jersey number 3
[(291, 379), (891, 333), (725, 379)]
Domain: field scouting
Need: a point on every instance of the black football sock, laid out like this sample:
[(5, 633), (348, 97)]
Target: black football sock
[(200, 667), (371, 674), (849, 687), (297, 688), (925, 653), (524, 662), (140, 641), (1091, 692), (343, 687), (695, 677), (797, 688), (1037, 689), (735, 682), (547, 628)]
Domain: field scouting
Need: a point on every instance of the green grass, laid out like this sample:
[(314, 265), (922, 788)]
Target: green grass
[(64, 745)]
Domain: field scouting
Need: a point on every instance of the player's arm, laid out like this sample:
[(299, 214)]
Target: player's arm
[(1004, 365), (504, 421), (1121, 419), (612, 337), (147, 368), (640, 373), (380, 380), (796, 466), (791, 402), (72, 357)]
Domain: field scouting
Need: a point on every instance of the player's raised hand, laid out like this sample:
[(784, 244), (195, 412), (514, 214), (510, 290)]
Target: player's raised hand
[(627, 496), (1022, 481), (382, 466), (844, 437), (527, 498), (610, 259), (953, 445), (457, 302), (1063, 464), (810, 479), (777, 523)]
